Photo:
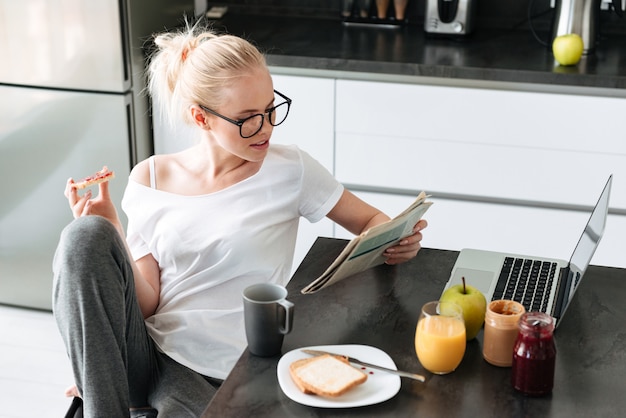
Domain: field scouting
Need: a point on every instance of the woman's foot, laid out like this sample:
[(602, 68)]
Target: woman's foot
[(72, 392)]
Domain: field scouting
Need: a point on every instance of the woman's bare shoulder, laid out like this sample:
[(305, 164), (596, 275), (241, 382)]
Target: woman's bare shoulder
[(164, 167), (141, 172)]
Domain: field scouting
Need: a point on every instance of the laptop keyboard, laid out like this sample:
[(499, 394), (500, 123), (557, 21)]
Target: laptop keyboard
[(526, 281)]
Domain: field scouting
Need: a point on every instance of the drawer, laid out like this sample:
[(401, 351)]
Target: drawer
[(484, 171), (486, 116)]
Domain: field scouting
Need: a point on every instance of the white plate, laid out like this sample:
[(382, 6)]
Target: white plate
[(378, 387)]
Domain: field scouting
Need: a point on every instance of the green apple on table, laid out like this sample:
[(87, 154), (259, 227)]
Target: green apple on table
[(472, 302), (568, 49)]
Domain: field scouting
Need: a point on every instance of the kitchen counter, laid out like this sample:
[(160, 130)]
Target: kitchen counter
[(380, 307), (327, 47)]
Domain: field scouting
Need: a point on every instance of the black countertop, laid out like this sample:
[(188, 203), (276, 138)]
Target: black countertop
[(380, 308), (407, 53)]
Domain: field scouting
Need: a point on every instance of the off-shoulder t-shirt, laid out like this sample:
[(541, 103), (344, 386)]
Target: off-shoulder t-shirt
[(210, 247)]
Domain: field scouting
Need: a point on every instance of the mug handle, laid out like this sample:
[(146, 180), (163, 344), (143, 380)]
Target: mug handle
[(288, 307)]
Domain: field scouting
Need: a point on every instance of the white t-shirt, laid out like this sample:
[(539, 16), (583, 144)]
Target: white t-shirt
[(210, 247)]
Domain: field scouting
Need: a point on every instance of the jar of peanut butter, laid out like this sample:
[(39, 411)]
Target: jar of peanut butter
[(501, 329)]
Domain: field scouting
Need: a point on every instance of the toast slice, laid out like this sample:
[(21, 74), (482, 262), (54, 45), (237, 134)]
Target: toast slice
[(325, 375)]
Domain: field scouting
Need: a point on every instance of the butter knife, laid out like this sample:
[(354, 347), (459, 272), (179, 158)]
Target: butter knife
[(369, 365)]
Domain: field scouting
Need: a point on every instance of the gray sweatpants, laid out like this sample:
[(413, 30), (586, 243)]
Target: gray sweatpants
[(115, 362)]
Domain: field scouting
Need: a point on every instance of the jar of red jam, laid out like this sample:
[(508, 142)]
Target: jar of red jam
[(534, 355)]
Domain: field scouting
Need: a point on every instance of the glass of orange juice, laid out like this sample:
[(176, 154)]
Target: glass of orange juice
[(440, 337)]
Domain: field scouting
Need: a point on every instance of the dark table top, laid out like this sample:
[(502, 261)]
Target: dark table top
[(489, 55), (380, 308)]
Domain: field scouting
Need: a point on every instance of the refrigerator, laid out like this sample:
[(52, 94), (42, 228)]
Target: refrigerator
[(71, 101)]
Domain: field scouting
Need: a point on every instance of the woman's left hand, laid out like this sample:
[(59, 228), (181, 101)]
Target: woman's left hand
[(408, 247)]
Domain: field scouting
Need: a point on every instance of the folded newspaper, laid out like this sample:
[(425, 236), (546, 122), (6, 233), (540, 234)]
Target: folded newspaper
[(367, 249)]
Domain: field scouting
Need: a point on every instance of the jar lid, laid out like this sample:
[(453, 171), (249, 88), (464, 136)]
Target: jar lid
[(536, 322), (506, 307)]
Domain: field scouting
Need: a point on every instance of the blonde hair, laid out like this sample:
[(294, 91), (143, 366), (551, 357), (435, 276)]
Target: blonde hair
[(193, 66)]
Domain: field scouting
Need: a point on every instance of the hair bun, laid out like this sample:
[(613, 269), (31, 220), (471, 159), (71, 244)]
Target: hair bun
[(175, 85)]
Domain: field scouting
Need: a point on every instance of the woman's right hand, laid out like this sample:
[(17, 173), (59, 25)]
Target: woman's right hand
[(88, 205)]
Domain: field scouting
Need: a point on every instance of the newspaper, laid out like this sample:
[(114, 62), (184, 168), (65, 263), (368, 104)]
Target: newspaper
[(366, 250)]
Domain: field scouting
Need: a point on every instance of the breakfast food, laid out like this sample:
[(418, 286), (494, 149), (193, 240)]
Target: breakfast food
[(325, 375), (99, 177), (472, 302)]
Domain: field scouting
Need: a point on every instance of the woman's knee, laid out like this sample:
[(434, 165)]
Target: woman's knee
[(86, 243), (87, 234)]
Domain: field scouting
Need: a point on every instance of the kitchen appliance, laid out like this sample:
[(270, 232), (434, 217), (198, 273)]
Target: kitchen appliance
[(580, 17), (450, 17), (71, 101)]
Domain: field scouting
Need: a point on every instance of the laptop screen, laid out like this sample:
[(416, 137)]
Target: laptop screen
[(588, 242)]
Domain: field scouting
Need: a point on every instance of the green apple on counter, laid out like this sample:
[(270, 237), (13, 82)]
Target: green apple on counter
[(473, 303), (568, 49)]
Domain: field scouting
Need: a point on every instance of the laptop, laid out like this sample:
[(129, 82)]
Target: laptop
[(540, 284)]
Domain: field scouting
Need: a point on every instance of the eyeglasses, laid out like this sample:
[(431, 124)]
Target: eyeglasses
[(251, 125)]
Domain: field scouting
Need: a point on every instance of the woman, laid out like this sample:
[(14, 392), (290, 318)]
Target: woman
[(153, 318)]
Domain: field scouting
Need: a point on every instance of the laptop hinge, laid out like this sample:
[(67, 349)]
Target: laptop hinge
[(564, 283)]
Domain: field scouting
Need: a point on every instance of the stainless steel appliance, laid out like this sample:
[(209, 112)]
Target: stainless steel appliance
[(70, 102), (450, 17), (580, 17)]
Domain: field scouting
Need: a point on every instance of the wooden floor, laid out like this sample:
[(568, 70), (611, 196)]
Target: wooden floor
[(34, 369)]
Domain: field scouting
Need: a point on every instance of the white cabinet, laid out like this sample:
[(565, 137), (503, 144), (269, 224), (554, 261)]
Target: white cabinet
[(492, 157), (508, 170), (311, 120), (310, 125), (507, 145)]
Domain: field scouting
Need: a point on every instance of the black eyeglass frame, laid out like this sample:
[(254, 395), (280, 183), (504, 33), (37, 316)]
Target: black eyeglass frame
[(240, 122)]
